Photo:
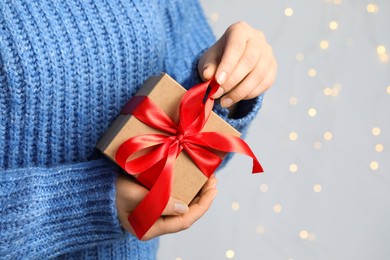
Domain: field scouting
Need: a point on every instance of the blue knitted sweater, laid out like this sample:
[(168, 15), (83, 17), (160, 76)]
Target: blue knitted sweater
[(66, 69)]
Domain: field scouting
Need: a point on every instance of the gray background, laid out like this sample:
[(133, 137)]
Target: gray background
[(335, 204)]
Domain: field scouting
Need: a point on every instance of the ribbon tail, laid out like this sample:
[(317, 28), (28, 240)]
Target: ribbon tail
[(225, 143), (151, 207)]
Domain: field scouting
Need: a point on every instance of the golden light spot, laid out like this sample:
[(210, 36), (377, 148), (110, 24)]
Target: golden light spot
[(300, 56), (230, 254), (235, 206), (178, 258), (327, 91), (293, 100), (336, 89), (304, 234), (312, 112), (312, 72), (381, 49), (324, 45), (388, 89), (317, 145), (335, 92), (293, 136), (311, 237), (379, 148), (260, 230), (372, 8), (384, 58), (333, 25), (288, 11), (376, 131), (214, 16), (263, 187), (374, 165), (277, 208), (328, 136), (293, 167), (337, 2), (317, 188)]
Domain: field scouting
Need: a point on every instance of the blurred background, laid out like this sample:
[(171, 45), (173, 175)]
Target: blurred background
[(323, 137)]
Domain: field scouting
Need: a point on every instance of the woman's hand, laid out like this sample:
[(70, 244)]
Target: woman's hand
[(242, 63), (176, 217)]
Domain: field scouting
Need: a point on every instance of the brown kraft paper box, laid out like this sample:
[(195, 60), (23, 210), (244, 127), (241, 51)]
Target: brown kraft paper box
[(166, 93)]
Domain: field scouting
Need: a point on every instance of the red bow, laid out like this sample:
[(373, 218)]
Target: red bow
[(155, 168)]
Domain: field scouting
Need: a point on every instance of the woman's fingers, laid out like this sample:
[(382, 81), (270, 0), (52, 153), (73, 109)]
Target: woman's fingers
[(242, 62), (255, 83), (235, 41), (208, 62), (266, 83), (198, 207), (245, 65), (129, 192), (172, 224), (175, 207), (176, 215)]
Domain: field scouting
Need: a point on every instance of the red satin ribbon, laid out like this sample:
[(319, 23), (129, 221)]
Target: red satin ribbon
[(155, 168)]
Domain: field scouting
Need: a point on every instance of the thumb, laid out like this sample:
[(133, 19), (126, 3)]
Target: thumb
[(175, 207), (208, 62)]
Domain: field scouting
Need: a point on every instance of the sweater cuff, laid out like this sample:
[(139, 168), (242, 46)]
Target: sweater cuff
[(243, 115), (51, 211)]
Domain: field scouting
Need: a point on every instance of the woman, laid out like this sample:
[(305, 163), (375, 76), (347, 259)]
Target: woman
[(66, 69)]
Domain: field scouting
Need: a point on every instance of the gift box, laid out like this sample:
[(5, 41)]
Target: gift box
[(171, 142), (166, 93)]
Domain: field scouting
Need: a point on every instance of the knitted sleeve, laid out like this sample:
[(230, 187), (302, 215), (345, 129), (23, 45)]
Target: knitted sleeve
[(188, 36), (51, 211)]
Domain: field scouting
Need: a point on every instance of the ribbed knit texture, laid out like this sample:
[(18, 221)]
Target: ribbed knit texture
[(66, 69)]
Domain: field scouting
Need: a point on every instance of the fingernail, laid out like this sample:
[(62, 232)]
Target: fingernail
[(227, 102), (205, 69), (221, 77), (180, 208), (219, 93)]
